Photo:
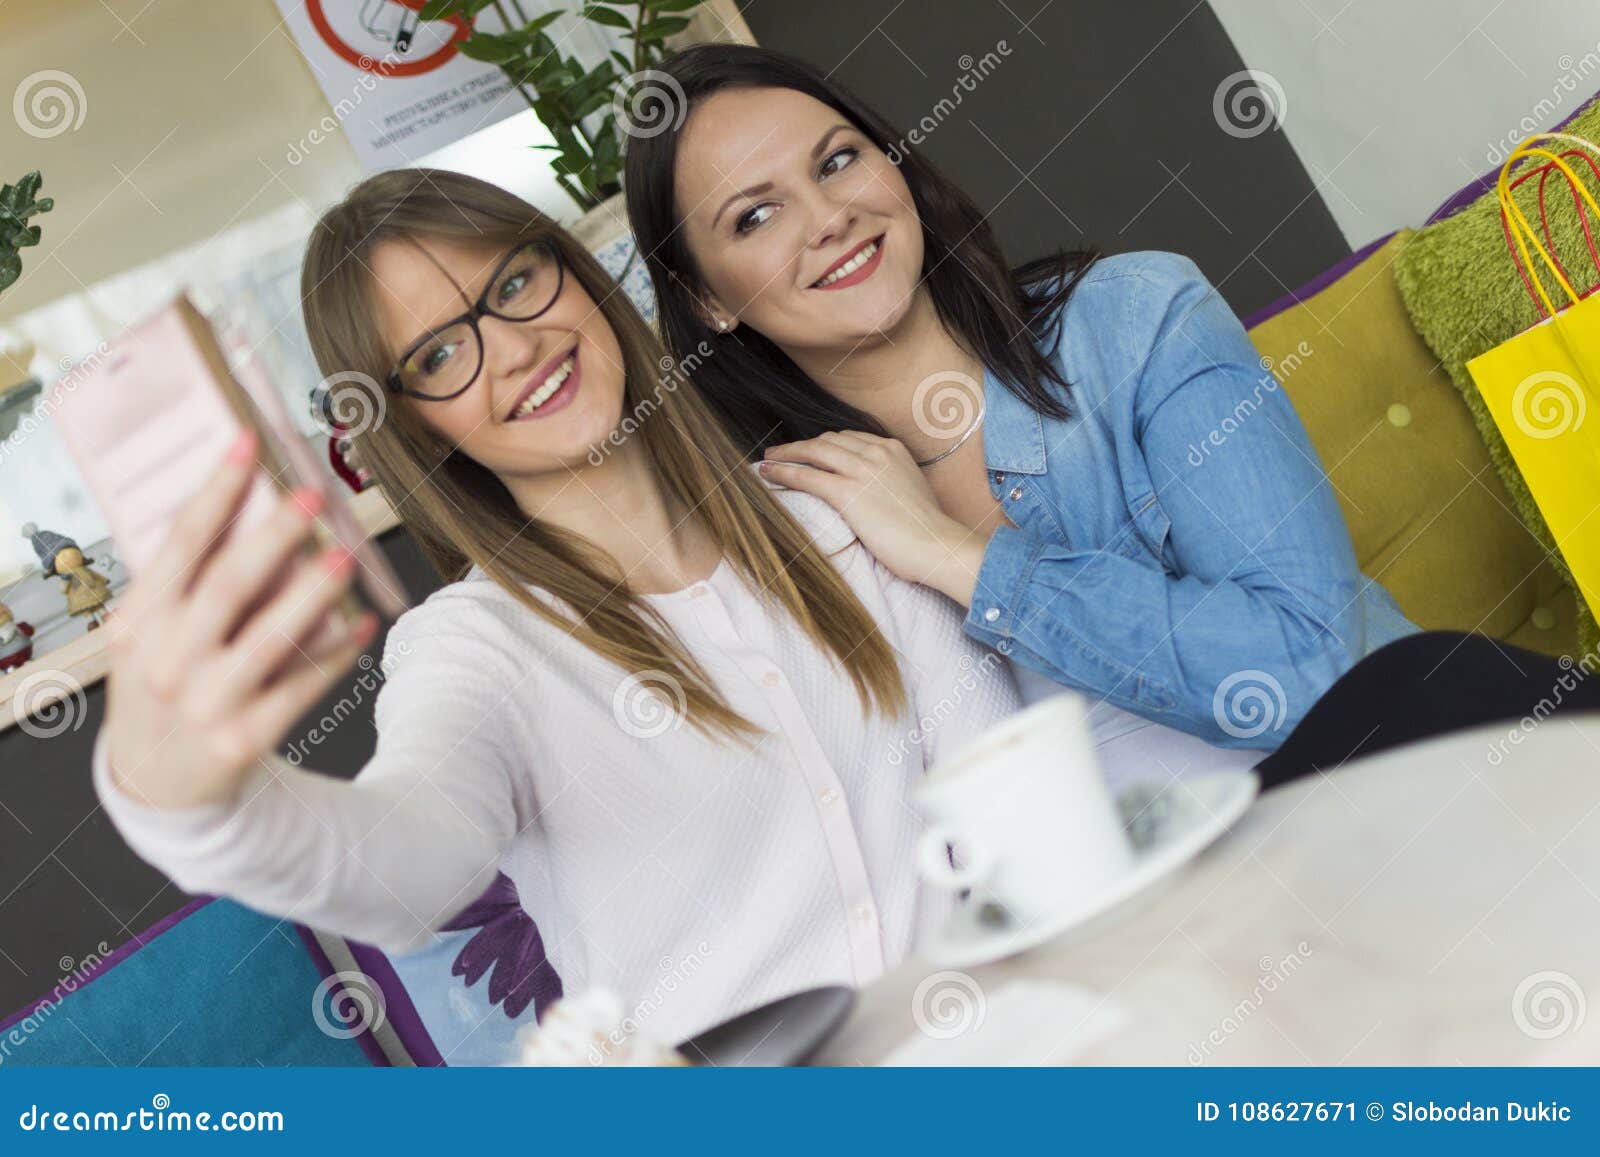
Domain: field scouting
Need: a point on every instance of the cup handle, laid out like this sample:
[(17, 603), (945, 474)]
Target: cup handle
[(934, 859)]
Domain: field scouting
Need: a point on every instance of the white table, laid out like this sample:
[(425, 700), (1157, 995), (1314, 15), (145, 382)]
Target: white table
[(1397, 905)]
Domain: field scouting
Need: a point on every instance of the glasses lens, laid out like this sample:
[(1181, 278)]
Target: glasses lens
[(527, 285), (444, 364)]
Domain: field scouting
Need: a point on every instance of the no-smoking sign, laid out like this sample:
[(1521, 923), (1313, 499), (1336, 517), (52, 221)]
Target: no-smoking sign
[(387, 37), (397, 84)]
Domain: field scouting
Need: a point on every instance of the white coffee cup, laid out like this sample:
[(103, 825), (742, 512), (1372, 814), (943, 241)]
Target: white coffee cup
[(1028, 813)]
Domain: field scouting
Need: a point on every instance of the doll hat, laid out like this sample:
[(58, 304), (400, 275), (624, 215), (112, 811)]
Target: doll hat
[(46, 544)]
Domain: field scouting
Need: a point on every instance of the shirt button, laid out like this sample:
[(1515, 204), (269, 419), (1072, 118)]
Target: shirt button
[(829, 796), (699, 592), (998, 478), (1016, 493), (863, 913), (1399, 415), (771, 679), (991, 614)]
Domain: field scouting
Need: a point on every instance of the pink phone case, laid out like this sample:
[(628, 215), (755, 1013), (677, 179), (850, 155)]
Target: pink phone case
[(148, 420)]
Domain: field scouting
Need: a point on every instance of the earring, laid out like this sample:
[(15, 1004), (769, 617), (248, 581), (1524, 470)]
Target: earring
[(722, 325)]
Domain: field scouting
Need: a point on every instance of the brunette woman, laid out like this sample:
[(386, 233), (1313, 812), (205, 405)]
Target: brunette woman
[(1022, 440)]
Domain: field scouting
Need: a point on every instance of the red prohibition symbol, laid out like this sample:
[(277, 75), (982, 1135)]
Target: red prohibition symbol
[(388, 63)]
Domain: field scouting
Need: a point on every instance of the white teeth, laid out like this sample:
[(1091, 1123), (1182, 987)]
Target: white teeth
[(852, 265), (548, 387)]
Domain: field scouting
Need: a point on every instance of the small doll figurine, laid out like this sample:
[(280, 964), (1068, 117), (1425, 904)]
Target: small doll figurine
[(16, 641), (87, 590)]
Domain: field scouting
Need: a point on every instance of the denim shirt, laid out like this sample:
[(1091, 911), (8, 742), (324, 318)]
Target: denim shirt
[(1177, 547)]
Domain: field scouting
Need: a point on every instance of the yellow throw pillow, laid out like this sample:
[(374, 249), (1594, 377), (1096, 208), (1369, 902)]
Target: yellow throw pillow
[(1429, 513)]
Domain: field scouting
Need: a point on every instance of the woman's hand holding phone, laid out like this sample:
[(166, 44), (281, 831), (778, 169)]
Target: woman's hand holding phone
[(211, 647)]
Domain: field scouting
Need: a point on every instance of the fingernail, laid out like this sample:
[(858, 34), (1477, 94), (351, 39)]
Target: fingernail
[(763, 466), (309, 499), (243, 448)]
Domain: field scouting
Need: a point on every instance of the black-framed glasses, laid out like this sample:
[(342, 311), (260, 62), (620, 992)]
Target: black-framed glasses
[(446, 361)]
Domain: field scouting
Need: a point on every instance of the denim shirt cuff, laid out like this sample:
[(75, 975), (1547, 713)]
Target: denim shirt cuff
[(1002, 582)]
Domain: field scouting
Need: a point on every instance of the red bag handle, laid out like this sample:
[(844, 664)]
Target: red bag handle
[(1543, 173)]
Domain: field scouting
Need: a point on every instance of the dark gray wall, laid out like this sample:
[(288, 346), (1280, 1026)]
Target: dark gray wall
[(1096, 128)]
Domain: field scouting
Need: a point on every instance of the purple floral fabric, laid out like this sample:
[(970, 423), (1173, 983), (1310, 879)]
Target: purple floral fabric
[(509, 944)]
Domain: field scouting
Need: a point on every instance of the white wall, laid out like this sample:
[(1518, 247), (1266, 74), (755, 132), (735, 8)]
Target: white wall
[(1395, 104)]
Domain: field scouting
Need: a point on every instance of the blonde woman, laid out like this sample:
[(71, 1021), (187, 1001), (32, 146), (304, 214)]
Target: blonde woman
[(671, 703)]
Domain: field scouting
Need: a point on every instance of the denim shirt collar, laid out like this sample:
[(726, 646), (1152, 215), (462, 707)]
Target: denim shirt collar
[(1013, 432)]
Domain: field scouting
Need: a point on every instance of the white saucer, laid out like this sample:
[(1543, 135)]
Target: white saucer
[(1168, 823)]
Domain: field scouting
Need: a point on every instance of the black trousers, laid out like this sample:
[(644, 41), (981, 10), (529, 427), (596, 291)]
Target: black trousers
[(1422, 685)]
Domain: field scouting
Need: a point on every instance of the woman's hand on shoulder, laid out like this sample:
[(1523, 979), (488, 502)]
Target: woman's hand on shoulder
[(878, 489)]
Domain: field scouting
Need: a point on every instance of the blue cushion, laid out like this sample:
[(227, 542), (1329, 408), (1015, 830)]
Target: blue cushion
[(222, 985)]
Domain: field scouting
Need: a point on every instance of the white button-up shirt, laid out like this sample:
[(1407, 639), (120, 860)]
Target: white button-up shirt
[(695, 876)]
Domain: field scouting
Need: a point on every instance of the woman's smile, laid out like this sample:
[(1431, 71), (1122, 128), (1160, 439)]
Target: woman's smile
[(550, 388), (855, 266)]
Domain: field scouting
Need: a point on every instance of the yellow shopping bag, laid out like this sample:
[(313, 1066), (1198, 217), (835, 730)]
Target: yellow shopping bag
[(1543, 385)]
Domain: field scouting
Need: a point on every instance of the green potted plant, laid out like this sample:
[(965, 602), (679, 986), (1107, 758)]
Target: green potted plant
[(579, 106), (17, 203)]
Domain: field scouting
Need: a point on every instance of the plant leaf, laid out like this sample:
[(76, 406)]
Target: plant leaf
[(658, 30), (489, 48), (606, 16), (539, 22)]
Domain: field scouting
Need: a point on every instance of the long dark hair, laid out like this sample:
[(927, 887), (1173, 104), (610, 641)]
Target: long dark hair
[(1008, 318)]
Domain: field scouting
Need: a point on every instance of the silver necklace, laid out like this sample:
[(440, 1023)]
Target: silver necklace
[(961, 441)]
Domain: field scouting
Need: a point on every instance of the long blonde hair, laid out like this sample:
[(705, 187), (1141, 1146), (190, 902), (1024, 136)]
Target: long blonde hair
[(690, 452)]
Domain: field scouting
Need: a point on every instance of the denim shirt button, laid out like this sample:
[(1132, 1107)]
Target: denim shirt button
[(999, 477), (1016, 493), (991, 614)]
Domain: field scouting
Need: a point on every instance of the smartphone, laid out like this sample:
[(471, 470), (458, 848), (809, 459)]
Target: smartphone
[(148, 419)]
